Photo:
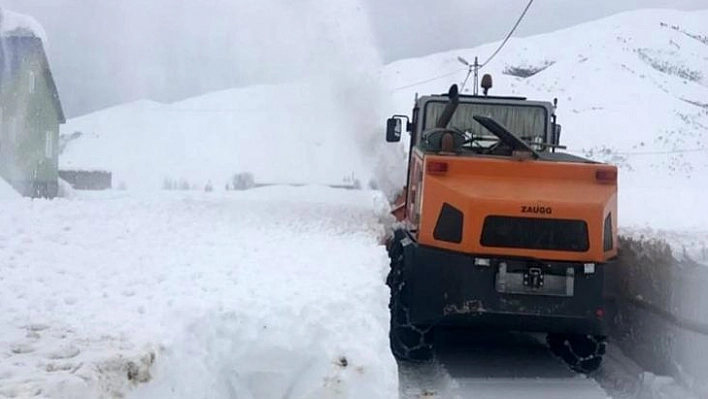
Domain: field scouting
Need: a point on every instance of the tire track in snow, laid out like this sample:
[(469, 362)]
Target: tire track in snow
[(493, 365)]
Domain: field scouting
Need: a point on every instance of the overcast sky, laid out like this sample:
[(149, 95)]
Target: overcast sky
[(107, 52), (407, 28)]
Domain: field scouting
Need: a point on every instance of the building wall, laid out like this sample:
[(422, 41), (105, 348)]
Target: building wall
[(29, 135)]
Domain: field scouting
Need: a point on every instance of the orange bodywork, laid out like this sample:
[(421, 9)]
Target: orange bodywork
[(482, 186)]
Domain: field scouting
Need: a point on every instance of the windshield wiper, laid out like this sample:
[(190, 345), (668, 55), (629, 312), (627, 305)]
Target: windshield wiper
[(508, 138)]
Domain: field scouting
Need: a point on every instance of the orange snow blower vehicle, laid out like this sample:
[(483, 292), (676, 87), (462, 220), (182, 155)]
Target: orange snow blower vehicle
[(498, 229)]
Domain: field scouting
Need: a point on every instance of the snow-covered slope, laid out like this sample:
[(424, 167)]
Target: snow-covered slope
[(295, 133), (632, 90)]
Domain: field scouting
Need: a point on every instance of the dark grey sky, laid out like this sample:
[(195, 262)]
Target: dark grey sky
[(107, 52)]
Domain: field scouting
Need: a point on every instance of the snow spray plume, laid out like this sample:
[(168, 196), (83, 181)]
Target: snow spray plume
[(330, 44), (346, 63)]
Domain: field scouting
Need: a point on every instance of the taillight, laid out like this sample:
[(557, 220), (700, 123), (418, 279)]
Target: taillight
[(436, 167), (606, 176)]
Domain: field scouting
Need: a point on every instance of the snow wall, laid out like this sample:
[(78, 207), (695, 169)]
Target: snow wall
[(658, 305)]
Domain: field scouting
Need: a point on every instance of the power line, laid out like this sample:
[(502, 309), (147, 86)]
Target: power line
[(511, 32), (429, 80)]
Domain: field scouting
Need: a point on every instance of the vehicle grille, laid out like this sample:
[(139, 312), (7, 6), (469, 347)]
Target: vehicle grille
[(535, 233)]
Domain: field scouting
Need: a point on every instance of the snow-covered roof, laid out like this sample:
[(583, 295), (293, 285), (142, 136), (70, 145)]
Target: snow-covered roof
[(15, 24)]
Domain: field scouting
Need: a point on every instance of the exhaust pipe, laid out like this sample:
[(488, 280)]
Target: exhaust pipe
[(450, 108)]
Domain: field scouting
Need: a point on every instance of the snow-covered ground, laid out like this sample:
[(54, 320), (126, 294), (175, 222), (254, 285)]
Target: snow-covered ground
[(494, 365), (279, 291), (7, 192), (267, 293)]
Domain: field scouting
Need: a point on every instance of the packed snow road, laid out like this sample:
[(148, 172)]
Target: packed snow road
[(268, 293), (492, 365)]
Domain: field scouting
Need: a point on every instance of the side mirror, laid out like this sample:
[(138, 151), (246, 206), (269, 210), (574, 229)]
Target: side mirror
[(393, 130), (557, 134)]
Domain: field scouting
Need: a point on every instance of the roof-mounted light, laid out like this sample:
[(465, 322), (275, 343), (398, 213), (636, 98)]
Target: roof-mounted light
[(486, 82)]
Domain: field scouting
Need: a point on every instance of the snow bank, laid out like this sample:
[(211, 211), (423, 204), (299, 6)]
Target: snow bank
[(65, 189), (260, 294), (661, 309), (283, 352), (15, 24), (7, 192), (690, 246)]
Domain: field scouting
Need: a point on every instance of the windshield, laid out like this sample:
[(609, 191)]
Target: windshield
[(527, 122)]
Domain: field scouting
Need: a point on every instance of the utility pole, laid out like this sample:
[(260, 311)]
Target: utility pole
[(472, 68)]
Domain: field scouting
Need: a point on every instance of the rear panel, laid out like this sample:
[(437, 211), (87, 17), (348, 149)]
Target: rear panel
[(444, 287), (498, 206)]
